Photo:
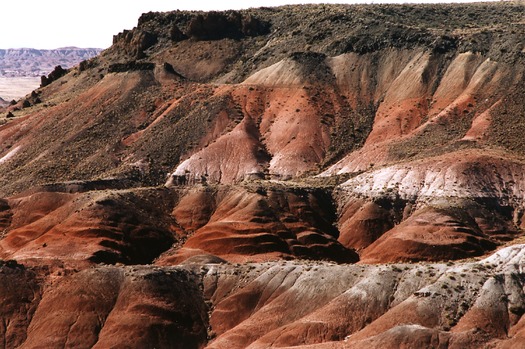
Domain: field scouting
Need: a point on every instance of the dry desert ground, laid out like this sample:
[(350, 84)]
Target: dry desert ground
[(14, 88)]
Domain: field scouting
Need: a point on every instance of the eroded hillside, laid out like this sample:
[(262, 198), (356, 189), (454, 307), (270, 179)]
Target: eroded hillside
[(343, 134)]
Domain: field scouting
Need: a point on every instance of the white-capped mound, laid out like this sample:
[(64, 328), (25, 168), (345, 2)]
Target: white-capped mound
[(460, 175), (284, 73)]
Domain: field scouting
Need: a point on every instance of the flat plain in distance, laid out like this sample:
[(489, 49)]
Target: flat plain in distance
[(17, 87)]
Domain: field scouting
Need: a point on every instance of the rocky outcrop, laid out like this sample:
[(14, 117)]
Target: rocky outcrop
[(219, 25), (134, 43), (56, 74), (130, 66)]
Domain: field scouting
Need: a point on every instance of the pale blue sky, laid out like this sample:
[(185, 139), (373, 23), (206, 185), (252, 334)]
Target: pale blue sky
[(59, 23)]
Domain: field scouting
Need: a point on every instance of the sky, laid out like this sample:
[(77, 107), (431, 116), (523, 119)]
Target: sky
[(48, 24)]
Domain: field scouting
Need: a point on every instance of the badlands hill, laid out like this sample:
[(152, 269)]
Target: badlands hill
[(319, 176)]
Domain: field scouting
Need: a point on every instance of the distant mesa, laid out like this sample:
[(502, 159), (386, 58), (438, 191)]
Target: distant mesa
[(30, 62)]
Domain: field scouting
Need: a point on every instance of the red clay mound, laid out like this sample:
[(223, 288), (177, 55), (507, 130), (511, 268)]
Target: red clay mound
[(258, 223), (111, 307), (20, 294), (96, 226), (267, 305), (432, 209), (429, 234)]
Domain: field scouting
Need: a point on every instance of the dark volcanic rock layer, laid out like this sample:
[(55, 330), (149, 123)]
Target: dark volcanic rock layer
[(276, 138)]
